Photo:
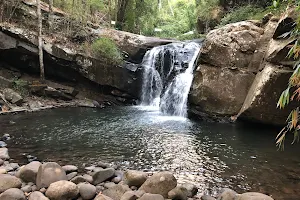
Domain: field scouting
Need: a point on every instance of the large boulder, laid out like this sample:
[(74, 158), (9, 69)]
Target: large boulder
[(29, 172), (13, 194), (160, 183), (62, 190), (37, 196), (4, 154), (8, 181), (49, 173), (135, 178), (261, 102), (220, 91), (116, 192), (102, 175), (253, 196), (12, 96)]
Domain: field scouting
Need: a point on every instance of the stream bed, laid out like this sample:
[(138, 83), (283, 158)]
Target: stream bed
[(210, 155)]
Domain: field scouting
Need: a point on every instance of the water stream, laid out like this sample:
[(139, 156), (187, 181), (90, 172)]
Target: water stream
[(210, 155), (168, 75)]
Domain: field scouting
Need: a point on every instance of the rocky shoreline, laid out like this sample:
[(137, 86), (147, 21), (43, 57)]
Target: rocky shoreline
[(101, 181)]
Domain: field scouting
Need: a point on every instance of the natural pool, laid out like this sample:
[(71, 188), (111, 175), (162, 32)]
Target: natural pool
[(210, 155)]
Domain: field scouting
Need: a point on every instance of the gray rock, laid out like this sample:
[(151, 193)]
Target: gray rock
[(102, 197), (135, 178), (116, 179), (49, 173), (116, 192), (78, 179), (87, 191), (160, 183), (26, 188), (103, 175), (130, 195), (90, 168), (99, 189), (12, 96), (179, 193), (207, 197), (71, 175), (15, 166), (253, 196), (29, 172), (88, 178), (1, 162), (227, 194), (34, 188), (148, 196), (70, 168), (4, 154), (97, 169), (191, 188), (13, 194), (103, 164), (109, 185), (8, 181), (62, 190), (43, 190), (37, 196)]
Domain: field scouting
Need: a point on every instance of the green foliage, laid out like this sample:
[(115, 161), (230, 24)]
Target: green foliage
[(21, 86), (241, 14), (205, 9), (106, 48), (186, 37), (292, 93)]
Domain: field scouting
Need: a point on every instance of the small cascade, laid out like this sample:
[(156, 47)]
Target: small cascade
[(168, 76)]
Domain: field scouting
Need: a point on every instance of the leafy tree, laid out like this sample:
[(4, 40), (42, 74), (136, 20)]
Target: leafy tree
[(292, 93)]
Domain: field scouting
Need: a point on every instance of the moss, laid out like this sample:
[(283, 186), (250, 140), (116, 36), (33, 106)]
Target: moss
[(106, 48)]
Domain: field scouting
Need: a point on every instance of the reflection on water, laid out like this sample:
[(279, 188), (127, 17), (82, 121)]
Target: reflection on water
[(209, 155)]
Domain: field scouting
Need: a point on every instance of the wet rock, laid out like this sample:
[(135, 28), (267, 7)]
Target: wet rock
[(62, 190), (8, 181), (227, 194), (78, 179), (148, 196), (28, 173), (179, 193), (135, 178), (103, 175), (191, 188), (26, 188), (49, 173), (71, 175), (130, 195), (160, 183), (37, 196), (13, 194), (253, 196), (102, 197), (116, 192), (12, 96), (4, 154), (86, 190), (70, 168), (2, 144), (207, 197)]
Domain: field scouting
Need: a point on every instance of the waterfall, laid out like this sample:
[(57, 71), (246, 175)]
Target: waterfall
[(167, 77)]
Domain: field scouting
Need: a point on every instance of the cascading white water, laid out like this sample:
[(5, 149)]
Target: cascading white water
[(168, 75)]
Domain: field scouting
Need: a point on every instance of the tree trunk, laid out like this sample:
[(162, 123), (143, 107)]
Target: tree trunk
[(40, 40), (122, 5), (50, 15)]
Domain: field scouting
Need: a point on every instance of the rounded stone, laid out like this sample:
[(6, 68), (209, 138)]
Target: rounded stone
[(37, 196), (7, 181), (70, 168), (103, 175), (86, 190), (227, 194), (253, 196), (102, 197), (179, 193), (116, 192), (29, 172), (13, 194), (148, 196), (135, 178), (62, 190), (4, 154)]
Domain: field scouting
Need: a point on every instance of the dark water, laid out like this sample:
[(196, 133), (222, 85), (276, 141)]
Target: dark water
[(210, 155)]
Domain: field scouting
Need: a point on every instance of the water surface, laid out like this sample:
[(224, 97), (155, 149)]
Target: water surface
[(210, 155)]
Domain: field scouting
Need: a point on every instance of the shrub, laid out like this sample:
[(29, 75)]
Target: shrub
[(241, 14), (106, 48)]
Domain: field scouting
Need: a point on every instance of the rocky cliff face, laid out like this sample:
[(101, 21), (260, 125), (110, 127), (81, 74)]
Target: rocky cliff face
[(243, 70)]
